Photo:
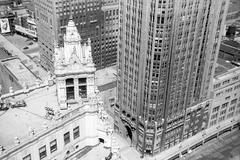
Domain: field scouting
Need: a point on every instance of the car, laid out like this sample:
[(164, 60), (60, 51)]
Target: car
[(18, 104), (31, 43), (25, 48)]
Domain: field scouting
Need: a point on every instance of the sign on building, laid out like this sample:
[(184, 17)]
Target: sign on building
[(4, 23)]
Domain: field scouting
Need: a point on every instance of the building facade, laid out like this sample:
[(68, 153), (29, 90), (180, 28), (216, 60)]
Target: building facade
[(52, 18), (7, 17), (166, 57), (74, 68), (226, 101), (109, 36)]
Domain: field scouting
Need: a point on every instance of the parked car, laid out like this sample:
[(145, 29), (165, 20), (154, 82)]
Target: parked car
[(25, 48), (31, 43), (20, 103)]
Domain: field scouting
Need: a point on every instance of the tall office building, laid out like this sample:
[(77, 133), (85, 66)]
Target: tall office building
[(52, 17), (110, 26), (166, 58)]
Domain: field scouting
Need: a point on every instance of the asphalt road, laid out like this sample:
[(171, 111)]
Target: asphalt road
[(226, 147)]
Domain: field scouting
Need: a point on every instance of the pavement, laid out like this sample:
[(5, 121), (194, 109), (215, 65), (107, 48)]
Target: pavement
[(20, 42), (224, 148), (29, 63), (97, 153)]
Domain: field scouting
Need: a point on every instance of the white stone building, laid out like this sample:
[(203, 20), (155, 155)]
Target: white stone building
[(226, 94), (57, 121), (74, 68)]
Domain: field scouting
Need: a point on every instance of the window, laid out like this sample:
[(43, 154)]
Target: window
[(226, 82), (69, 81), (70, 88), (53, 146), (214, 116), (228, 97), (42, 152), (82, 87), (82, 80), (82, 91), (217, 85), (215, 109), (234, 101), (235, 78), (66, 137), (28, 157), (224, 105), (76, 132)]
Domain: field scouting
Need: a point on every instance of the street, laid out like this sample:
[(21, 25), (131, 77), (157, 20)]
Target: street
[(224, 148)]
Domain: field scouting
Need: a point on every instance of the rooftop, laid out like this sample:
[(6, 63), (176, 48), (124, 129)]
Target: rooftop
[(232, 43), (20, 72), (106, 75), (222, 67), (18, 121), (4, 53)]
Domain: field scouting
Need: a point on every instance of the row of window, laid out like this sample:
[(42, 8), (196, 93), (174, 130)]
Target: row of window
[(225, 82), (53, 144)]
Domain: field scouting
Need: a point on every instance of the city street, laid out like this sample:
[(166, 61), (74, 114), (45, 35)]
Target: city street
[(224, 148), (21, 42)]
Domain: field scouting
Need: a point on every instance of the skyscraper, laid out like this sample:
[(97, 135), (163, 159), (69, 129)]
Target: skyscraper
[(89, 15), (166, 57), (109, 36)]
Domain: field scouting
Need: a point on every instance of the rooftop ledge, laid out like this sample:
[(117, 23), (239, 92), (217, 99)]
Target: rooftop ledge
[(55, 123)]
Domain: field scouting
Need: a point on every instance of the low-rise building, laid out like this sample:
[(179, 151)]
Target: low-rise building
[(15, 75), (230, 50), (226, 93), (107, 83), (24, 22), (16, 69)]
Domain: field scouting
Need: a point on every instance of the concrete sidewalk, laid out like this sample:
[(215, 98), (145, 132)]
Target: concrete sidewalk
[(130, 153)]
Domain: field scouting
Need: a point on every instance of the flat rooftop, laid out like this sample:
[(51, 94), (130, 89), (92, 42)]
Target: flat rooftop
[(223, 66), (20, 72), (106, 75), (231, 43), (4, 54), (17, 122)]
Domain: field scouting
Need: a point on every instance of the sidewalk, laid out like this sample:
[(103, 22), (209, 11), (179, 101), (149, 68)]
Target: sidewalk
[(129, 153)]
